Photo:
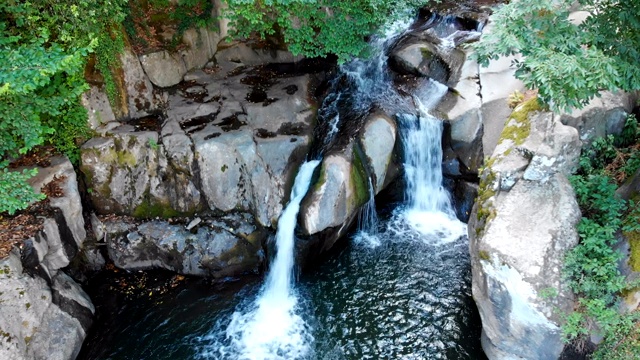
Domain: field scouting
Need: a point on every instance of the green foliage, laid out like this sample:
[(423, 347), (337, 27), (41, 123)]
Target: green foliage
[(15, 193), (316, 27), (568, 64), (110, 45), (43, 49), (592, 266)]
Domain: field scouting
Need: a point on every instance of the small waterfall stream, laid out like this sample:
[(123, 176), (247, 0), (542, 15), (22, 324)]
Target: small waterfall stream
[(271, 328), (428, 208)]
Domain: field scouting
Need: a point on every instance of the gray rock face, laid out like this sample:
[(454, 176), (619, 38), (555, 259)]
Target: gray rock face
[(37, 299), (378, 138), (140, 99), (219, 151), (98, 108), (36, 320), (603, 116), (462, 110), (518, 251), (163, 68), (229, 245), (201, 44), (63, 234)]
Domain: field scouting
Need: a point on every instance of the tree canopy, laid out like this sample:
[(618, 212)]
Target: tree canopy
[(317, 27), (568, 63)]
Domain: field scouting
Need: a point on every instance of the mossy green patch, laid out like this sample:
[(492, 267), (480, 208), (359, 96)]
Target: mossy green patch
[(484, 255), (148, 210), (322, 178), (518, 126), (634, 246), (486, 212), (359, 179), (427, 54)]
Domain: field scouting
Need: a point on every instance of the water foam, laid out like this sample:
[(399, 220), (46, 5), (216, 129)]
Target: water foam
[(428, 209), (271, 327)]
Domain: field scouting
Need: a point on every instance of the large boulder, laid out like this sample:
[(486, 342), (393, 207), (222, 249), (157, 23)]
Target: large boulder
[(517, 252), (98, 107), (36, 297), (225, 246), (343, 184)]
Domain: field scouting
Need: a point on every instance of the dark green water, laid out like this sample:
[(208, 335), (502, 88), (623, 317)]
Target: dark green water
[(407, 298)]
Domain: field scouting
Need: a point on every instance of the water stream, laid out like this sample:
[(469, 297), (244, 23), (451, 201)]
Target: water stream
[(399, 290)]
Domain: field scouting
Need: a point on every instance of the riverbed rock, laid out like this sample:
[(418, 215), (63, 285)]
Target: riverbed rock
[(517, 251), (226, 246)]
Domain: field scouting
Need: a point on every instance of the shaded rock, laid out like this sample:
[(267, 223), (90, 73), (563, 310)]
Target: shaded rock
[(602, 116), (227, 246), (518, 251), (139, 100), (465, 193), (202, 44), (239, 53), (31, 318), (441, 63), (162, 68), (462, 110)]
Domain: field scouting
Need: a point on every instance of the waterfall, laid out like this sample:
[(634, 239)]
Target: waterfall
[(271, 326), (272, 329), (368, 221), (428, 208)]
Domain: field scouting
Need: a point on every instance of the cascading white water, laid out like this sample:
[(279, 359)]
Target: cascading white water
[(429, 208), (368, 221), (271, 328)]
